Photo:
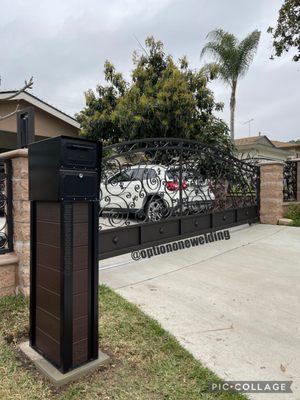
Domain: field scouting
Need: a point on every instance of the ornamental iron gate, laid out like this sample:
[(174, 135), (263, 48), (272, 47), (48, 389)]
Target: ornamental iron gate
[(158, 190), (6, 207), (290, 181)]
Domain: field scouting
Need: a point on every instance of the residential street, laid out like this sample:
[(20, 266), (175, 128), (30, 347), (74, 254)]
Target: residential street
[(234, 304)]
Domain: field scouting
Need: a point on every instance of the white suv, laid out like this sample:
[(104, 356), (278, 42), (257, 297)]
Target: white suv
[(153, 192)]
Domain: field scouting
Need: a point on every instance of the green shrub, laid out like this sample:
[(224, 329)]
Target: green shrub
[(293, 212)]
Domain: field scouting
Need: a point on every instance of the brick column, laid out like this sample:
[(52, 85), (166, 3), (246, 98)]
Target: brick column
[(271, 192), (21, 216)]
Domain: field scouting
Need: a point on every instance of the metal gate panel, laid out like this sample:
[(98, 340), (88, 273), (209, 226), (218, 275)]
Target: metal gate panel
[(192, 225), (160, 190), (118, 239), (160, 230), (223, 218), (114, 242), (246, 214)]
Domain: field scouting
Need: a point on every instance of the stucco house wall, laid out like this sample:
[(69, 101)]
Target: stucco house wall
[(48, 123)]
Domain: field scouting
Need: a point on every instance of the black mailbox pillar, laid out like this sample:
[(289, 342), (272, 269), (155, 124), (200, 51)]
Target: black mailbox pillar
[(64, 180)]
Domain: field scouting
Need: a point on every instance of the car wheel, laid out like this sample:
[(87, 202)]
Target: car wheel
[(155, 210)]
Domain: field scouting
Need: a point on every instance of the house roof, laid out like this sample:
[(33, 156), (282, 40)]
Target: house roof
[(37, 102), (246, 140), (289, 145), (262, 139)]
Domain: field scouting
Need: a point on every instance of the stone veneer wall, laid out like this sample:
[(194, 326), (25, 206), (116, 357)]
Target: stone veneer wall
[(271, 192), (8, 268)]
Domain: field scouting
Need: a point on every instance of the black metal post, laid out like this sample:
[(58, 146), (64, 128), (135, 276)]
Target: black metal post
[(32, 306), (64, 250), (93, 284), (180, 177), (66, 302)]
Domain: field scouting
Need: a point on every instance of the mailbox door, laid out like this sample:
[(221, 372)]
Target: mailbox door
[(76, 184)]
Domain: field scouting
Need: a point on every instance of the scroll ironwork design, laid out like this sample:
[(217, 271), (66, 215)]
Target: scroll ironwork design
[(6, 233), (151, 180), (290, 181)]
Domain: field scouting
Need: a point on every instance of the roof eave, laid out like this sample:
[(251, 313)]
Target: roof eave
[(252, 146), (42, 105)]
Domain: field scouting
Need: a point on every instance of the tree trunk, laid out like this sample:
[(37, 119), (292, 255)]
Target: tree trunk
[(232, 109)]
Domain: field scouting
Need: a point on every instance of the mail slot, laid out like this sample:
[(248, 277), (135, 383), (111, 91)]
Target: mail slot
[(78, 155)]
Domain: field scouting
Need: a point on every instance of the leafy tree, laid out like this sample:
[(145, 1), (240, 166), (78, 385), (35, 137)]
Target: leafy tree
[(287, 32), (232, 60), (98, 118), (163, 99)]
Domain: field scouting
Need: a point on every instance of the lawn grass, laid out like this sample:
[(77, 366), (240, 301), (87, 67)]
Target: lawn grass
[(147, 362), (296, 222), (293, 213)]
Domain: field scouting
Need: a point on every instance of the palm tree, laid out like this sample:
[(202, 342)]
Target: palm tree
[(232, 60)]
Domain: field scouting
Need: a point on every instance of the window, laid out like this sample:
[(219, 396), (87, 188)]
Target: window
[(123, 176), (135, 174), (143, 174)]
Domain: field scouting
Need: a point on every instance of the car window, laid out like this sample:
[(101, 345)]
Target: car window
[(142, 174), (173, 174), (123, 176), (136, 174)]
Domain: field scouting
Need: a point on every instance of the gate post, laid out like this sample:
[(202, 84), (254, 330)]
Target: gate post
[(64, 183), (271, 192)]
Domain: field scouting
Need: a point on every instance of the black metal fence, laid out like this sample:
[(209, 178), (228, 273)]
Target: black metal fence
[(6, 219), (163, 188), (290, 181), (154, 179)]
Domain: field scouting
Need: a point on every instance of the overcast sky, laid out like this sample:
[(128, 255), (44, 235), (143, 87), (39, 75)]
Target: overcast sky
[(64, 44)]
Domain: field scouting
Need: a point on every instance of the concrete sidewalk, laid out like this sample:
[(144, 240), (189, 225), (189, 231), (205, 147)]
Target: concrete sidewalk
[(235, 304)]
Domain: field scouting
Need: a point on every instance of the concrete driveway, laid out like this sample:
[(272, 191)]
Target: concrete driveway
[(235, 304)]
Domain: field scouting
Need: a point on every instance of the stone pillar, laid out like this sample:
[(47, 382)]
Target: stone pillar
[(21, 216), (271, 192)]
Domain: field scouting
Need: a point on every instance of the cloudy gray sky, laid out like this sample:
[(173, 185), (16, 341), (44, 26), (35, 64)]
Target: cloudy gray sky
[(64, 44)]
